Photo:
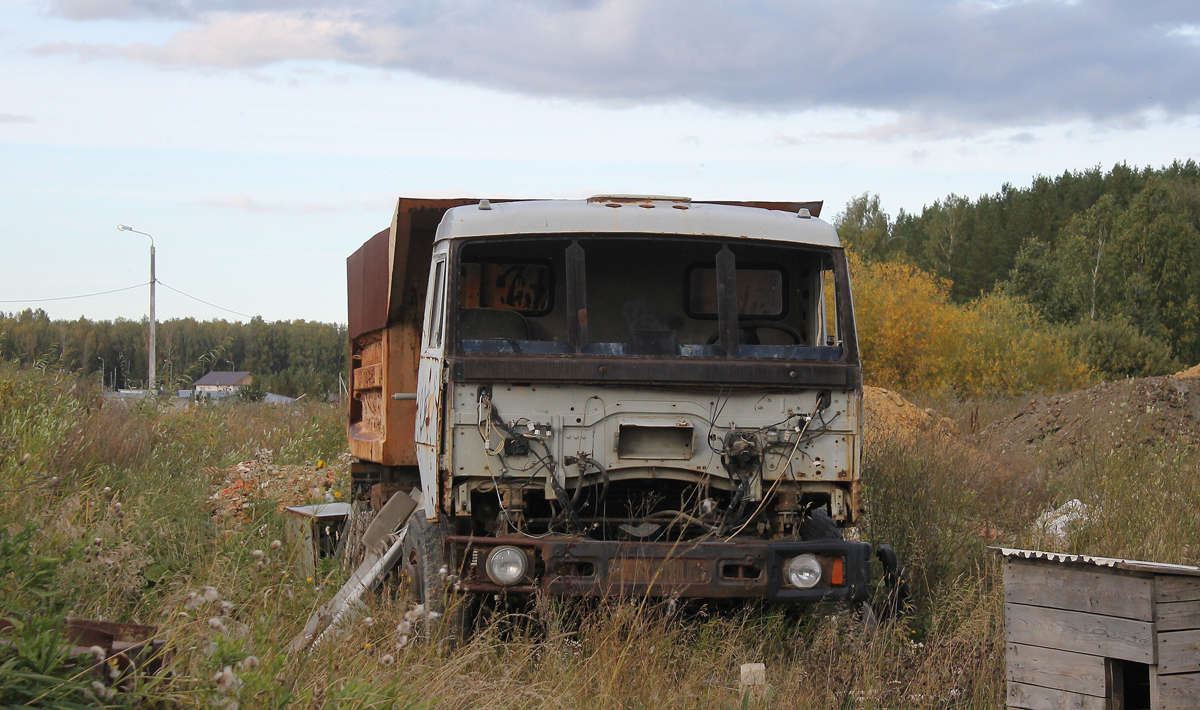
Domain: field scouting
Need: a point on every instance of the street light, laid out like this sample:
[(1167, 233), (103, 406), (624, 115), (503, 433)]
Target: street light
[(153, 372)]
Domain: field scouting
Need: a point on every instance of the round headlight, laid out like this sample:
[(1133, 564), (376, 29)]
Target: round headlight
[(803, 572), (506, 566)]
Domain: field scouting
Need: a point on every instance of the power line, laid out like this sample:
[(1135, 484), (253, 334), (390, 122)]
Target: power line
[(334, 326), (82, 295), (160, 282), (201, 300)]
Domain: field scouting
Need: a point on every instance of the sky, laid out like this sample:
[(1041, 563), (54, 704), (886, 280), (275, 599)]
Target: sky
[(261, 142)]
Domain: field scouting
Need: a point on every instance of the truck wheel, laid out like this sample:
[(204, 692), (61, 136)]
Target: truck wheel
[(817, 525), (451, 615)]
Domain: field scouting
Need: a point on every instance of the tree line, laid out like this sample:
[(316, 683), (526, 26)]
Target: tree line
[(1112, 258), (287, 357)]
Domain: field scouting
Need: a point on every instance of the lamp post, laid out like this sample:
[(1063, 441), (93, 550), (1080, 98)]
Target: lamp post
[(152, 385)]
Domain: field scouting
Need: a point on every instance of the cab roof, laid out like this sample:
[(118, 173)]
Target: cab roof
[(633, 214)]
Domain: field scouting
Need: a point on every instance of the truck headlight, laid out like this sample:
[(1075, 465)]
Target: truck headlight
[(803, 572), (506, 566)]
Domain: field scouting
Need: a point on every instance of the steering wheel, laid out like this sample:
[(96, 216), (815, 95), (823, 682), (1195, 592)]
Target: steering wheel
[(747, 325)]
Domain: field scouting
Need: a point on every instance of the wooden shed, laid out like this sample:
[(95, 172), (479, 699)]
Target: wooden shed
[(1096, 633)]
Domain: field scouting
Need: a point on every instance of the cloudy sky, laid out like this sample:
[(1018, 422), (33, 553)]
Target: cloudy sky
[(261, 141)]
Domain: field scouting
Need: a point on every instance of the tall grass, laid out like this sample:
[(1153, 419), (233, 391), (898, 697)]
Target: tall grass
[(939, 503)]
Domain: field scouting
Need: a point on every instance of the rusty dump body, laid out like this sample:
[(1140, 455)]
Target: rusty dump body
[(623, 395)]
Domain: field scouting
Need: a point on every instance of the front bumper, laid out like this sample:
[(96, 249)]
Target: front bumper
[(751, 569)]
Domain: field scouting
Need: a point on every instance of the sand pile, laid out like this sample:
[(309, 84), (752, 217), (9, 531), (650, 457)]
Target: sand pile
[(1190, 372), (886, 413)]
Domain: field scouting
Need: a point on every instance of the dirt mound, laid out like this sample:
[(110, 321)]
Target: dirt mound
[(260, 481), (887, 413), (1190, 372), (1127, 412)]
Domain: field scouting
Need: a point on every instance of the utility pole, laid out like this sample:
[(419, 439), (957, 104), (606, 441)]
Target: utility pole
[(152, 385)]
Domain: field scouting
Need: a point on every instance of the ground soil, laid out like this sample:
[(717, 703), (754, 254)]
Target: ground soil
[(1125, 412)]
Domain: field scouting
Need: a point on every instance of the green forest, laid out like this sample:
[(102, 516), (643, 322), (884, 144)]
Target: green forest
[(287, 357), (1112, 257), (1109, 259)]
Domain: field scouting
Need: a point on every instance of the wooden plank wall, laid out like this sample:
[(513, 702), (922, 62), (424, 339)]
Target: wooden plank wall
[(1067, 630), (1177, 620)]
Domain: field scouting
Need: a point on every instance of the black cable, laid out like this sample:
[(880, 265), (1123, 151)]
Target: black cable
[(201, 300), (68, 298)]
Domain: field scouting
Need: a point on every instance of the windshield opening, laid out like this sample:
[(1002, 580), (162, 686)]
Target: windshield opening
[(634, 295)]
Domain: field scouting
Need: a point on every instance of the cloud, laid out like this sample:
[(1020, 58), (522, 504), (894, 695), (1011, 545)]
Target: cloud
[(16, 118), (930, 61)]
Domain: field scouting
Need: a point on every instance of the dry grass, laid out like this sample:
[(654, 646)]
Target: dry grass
[(938, 505)]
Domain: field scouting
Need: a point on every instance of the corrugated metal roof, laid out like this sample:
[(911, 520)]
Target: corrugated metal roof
[(320, 511), (651, 215), (1111, 562), (221, 378)]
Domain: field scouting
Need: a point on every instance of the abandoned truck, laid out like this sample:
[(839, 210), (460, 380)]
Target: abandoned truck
[(620, 395)]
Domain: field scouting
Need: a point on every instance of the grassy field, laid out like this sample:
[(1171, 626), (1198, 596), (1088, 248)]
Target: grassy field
[(106, 511)]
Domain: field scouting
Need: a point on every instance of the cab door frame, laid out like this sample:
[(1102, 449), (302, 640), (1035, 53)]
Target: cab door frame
[(430, 384)]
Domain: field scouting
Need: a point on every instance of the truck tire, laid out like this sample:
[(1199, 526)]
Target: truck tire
[(817, 525), (449, 616)]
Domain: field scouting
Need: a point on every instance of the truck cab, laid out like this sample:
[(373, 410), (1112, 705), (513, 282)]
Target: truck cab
[(629, 395)]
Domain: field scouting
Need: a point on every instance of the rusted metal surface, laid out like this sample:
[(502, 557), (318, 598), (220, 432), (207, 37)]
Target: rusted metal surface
[(386, 282), (814, 208), (707, 371), (741, 569), (127, 648), (366, 286)]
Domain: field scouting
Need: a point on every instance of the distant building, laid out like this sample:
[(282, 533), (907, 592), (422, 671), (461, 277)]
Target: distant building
[(221, 383)]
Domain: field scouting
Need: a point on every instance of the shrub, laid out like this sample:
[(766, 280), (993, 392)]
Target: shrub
[(1116, 349), (914, 338)]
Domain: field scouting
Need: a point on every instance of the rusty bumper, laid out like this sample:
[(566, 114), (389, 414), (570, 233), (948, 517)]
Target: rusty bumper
[(752, 569)]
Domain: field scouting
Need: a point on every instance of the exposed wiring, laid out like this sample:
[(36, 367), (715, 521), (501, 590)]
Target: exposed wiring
[(786, 468)]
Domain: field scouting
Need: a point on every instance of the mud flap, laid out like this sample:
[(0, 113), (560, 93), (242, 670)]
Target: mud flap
[(894, 579)]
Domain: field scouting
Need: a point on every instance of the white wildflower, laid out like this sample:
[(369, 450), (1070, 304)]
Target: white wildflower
[(97, 653), (368, 621), (107, 490), (226, 680), (404, 627), (249, 662), (257, 554), (216, 624), (402, 642), (387, 659), (210, 594), (226, 607), (415, 613)]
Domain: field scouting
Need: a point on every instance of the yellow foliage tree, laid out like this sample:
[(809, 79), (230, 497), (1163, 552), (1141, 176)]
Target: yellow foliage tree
[(912, 337)]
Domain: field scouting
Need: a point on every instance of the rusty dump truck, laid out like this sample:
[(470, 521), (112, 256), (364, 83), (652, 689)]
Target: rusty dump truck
[(626, 395)]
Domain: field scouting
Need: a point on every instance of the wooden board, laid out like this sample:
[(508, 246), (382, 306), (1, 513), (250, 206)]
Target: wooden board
[(1176, 589), (1051, 668), (1179, 652), (1176, 692), (1080, 589), (1091, 634), (1033, 697), (1177, 616)]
